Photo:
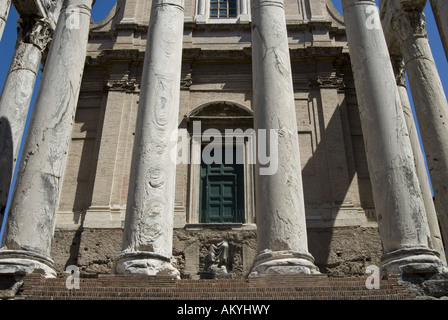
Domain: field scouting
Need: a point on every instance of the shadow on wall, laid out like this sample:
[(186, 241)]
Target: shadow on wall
[(332, 176)]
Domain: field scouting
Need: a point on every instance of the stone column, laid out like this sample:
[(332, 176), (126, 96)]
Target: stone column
[(18, 89), (430, 104), (281, 223), (5, 6), (396, 192), (148, 230), (440, 10), (31, 217), (434, 228)]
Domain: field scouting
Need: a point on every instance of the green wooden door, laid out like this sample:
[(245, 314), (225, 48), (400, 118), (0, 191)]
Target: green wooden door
[(222, 192)]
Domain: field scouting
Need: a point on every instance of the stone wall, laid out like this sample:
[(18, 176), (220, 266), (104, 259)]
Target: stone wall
[(341, 251)]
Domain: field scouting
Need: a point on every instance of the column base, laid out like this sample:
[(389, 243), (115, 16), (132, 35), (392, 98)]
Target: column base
[(412, 261), (283, 262), (146, 263), (20, 262)]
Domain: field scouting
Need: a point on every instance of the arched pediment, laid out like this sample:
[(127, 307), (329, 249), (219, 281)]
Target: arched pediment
[(220, 109)]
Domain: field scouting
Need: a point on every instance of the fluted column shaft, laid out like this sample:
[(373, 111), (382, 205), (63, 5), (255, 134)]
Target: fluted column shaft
[(148, 231), (430, 104), (281, 223), (31, 217), (15, 99), (396, 192)]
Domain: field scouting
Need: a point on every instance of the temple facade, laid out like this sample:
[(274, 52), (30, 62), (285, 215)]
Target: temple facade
[(224, 139)]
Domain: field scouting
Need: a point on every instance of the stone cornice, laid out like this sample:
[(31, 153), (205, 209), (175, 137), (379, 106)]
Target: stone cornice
[(201, 54), (194, 54), (315, 51), (292, 26), (109, 55), (48, 9)]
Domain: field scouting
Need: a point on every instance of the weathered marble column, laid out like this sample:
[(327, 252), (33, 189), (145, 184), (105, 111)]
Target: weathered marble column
[(148, 230), (430, 104), (422, 174), (31, 217), (5, 6), (440, 11), (18, 89), (398, 200), (281, 223)]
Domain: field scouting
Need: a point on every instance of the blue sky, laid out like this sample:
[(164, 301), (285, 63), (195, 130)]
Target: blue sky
[(102, 8)]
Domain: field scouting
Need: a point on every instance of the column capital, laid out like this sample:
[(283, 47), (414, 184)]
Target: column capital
[(399, 70), (408, 25), (37, 32)]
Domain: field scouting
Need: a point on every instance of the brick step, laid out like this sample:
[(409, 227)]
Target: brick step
[(186, 298), (221, 291), (215, 289), (276, 287)]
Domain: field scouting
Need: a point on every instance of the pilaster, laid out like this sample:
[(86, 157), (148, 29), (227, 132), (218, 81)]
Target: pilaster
[(112, 168)]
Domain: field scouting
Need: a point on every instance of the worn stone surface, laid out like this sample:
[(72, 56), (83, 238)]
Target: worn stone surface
[(436, 241), (93, 250), (426, 286), (430, 103), (36, 197), (345, 251), (149, 217), (398, 200), (338, 252), (5, 6), (279, 197), (10, 285), (33, 38)]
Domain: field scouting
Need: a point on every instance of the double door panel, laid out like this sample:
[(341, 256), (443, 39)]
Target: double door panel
[(222, 193)]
